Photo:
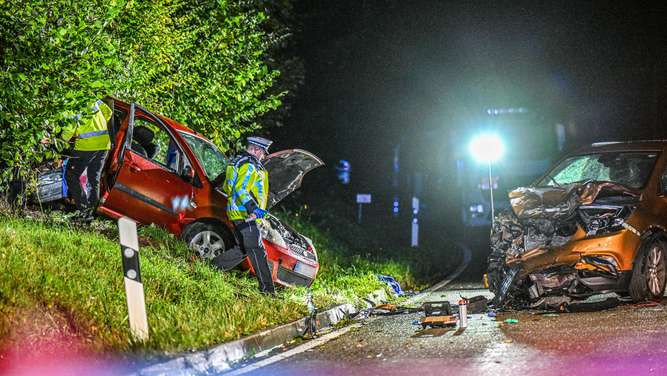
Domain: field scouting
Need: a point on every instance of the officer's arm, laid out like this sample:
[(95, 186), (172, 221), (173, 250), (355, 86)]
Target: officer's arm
[(243, 183), (68, 131), (106, 111)]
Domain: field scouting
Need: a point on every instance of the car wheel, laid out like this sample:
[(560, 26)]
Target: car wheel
[(649, 271), (207, 240)]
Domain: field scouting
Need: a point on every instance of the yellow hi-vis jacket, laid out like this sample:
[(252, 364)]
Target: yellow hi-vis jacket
[(246, 185), (90, 129)]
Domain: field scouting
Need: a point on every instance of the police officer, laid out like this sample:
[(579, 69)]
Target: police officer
[(247, 188), (91, 146)]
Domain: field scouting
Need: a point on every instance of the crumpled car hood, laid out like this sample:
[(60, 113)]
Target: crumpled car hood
[(286, 171), (561, 202)]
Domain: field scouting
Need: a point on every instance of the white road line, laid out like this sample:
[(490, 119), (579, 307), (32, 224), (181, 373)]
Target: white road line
[(297, 350)]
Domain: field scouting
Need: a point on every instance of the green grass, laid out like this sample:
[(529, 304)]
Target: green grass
[(77, 272)]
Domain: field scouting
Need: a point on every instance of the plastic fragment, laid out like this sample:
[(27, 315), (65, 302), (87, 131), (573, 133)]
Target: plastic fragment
[(511, 321)]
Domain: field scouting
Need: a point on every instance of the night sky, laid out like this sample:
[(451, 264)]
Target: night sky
[(417, 72)]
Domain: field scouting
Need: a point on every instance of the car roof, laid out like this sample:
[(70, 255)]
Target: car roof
[(171, 122), (616, 146)]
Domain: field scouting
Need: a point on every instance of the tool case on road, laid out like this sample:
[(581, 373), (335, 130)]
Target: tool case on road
[(437, 308)]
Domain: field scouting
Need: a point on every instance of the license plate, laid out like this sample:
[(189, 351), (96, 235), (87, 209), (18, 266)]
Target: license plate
[(304, 269)]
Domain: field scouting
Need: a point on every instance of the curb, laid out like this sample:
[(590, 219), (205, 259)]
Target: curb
[(221, 358)]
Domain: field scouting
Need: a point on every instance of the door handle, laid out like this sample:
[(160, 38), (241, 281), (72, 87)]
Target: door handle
[(134, 168)]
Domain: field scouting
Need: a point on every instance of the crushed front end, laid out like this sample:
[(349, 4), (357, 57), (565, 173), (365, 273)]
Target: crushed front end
[(560, 244)]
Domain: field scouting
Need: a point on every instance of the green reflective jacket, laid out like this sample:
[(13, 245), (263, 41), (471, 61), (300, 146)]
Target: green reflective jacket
[(90, 129), (246, 186)]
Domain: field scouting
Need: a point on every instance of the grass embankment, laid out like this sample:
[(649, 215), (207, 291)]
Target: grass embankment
[(75, 274)]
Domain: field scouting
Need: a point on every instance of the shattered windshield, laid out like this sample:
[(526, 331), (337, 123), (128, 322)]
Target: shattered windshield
[(631, 169), (208, 155)]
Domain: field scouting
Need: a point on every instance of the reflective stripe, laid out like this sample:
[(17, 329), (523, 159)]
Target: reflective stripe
[(92, 134)]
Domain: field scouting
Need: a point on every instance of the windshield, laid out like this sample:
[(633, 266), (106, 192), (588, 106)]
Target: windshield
[(208, 155), (631, 169)]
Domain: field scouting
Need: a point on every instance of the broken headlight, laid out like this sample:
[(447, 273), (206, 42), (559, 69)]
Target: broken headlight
[(603, 219)]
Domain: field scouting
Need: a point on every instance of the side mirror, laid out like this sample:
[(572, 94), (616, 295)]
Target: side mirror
[(188, 174)]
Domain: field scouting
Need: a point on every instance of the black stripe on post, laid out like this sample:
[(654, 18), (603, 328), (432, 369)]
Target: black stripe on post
[(131, 268)]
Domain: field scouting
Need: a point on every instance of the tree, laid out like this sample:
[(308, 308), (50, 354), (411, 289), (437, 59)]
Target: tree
[(203, 63)]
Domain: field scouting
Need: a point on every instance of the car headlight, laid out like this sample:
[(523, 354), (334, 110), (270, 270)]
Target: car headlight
[(603, 219), (271, 235)]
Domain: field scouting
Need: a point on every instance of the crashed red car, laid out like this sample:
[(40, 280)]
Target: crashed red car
[(160, 172), (595, 224)]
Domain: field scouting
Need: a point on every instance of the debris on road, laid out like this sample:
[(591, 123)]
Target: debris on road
[(438, 314), (477, 304), (511, 321), (463, 312), (392, 283)]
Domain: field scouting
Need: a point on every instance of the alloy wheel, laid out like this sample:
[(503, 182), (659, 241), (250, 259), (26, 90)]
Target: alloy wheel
[(207, 244), (655, 270)]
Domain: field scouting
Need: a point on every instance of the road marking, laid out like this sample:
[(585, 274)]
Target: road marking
[(297, 350)]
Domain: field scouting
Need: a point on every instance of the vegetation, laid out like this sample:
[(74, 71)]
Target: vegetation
[(76, 272), (205, 63)]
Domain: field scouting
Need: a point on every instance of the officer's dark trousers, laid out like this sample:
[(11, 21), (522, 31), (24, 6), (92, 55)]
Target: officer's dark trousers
[(80, 160), (252, 245)]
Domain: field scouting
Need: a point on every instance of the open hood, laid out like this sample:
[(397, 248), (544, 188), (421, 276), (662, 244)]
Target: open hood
[(286, 170), (561, 202)]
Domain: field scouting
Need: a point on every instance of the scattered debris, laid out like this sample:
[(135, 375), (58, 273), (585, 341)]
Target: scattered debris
[(477, 304), (438, 321), (392, 283), (491, 314), (463, 312), (511, 321), (437, 314)]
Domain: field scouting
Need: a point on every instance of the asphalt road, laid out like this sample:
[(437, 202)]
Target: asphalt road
[(628, 340)]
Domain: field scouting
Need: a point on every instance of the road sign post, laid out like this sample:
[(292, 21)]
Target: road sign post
[(362, 198), (134, 289)]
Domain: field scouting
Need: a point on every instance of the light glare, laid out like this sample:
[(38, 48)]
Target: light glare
[(486, 148)]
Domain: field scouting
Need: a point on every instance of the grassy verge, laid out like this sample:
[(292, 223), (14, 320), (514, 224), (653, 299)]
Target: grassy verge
[(75, 273)]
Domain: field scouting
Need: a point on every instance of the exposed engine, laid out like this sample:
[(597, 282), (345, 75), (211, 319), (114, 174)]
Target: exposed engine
[(284, 236), (543, 219)]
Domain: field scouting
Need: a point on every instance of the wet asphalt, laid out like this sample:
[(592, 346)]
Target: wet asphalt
[(626, 340)]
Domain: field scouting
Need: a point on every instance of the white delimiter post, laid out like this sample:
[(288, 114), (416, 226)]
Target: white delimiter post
[(134, 289)]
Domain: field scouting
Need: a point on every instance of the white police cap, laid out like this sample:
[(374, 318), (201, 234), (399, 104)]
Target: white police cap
[(261, 142)]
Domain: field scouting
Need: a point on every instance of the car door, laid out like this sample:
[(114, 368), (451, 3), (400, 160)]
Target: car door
[(150, 184)]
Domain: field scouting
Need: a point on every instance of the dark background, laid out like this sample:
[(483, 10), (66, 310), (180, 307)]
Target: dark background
[(422, 73)]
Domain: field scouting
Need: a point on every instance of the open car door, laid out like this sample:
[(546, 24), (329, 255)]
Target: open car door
[(286, 171), (149, 187)]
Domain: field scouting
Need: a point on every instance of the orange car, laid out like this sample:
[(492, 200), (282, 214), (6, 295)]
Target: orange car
[(594, 223)]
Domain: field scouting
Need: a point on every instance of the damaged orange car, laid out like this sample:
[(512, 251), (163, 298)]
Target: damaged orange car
[(595, 223)]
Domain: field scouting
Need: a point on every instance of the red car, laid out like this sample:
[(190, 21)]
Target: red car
[(159, 171)]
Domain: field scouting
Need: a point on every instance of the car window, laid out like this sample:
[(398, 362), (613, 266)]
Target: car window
[(152, 141), (663, 182), (628, 168), (208, 155)]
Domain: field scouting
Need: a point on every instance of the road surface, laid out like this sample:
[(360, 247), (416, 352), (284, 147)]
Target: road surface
[(628, 340)]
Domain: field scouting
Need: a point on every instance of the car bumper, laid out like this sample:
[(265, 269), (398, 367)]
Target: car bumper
[(621, 246)]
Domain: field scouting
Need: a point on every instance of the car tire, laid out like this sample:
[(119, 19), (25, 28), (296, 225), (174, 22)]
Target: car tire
[(649, 271), (207, 240)]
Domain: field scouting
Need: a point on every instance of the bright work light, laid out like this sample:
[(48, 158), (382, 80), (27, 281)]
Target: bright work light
[(486, 148)]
